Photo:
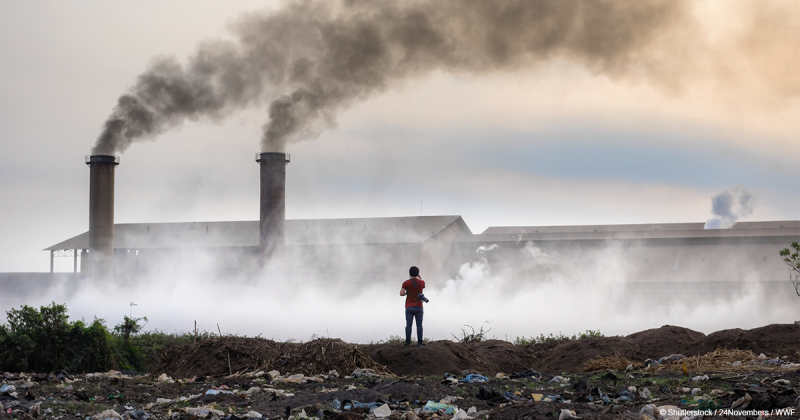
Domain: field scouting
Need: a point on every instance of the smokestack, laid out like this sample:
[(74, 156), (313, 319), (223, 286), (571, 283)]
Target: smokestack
[(273, 203), (101, 215)]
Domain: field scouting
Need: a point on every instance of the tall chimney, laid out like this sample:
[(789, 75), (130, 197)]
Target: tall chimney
[(101, 216), (273, 203)]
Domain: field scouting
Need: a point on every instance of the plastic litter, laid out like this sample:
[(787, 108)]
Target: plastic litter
[(567, 414), (700, 378), (203, 411), (537, 397), (358, 373), (164, 378), (7, 388), (434, 407), (382, 411), (649, 410), (626, 396), (108, 414), (212, 392), (253, 415), (473, 377), (560, 379), (487, 393), (526, 374), (742, 403), (696, 391), (460, 414), (645, 393)]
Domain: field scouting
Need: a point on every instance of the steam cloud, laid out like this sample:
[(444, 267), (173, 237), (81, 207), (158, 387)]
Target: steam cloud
[(313, 58), (729, 206)]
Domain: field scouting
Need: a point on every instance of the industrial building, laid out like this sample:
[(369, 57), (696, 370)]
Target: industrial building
[(381, 249)]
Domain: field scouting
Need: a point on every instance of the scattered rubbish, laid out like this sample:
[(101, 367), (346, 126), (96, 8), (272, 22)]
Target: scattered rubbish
[(473, 377), (382, 411), (273, 374), (203, 411), (7, 388), (632, 389), (500, 376), (528, 373), (567, 414), (434, 407), (293, 379), (783, 382), (560, 379), (163, 400), (742, 403), (108, 414), (450, 382), (164, 378), (626, 396), (536, 397), (700, 378), (645, 393), (762, 356), (212, 392), (450, 399), (253, 415), (358, 373), (696, 391), (460, 415), (487, 394), (649, 410)]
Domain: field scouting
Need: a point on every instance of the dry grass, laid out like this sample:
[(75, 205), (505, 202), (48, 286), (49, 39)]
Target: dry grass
[(720, 360), (323, 355), (615, 362)]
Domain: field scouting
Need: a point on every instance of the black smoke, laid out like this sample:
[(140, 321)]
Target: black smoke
[(310, 59)]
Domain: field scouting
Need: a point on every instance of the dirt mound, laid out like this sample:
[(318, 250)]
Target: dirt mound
[(437, 358), (773, 340), (324, 355), (659, 342), (569, 356), (217, 356), (506, 356)]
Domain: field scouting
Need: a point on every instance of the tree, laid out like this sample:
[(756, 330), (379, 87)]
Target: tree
[(792, 258)]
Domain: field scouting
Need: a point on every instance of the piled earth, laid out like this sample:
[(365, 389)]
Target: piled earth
[(226, 378)]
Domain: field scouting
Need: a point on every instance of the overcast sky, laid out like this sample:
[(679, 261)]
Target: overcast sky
[(552, 144)]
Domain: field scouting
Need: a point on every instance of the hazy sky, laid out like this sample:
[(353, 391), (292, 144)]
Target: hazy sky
[(555, 143)]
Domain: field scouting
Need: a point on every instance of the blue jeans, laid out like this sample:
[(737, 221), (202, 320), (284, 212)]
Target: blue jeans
[(411, 313)]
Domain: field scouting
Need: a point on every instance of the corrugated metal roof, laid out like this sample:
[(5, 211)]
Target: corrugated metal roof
[(298, 232), (787, 228)]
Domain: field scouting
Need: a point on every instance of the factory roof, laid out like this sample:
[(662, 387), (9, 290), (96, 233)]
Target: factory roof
[(663, 231), (298, 232)]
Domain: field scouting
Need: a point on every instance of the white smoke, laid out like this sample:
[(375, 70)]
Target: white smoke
[(729, 207)]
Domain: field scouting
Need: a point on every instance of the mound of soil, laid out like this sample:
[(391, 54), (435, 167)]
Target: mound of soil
[(434, 359), (570, 355), (218, 356), (211, 357), (659, 342), (773, 340)]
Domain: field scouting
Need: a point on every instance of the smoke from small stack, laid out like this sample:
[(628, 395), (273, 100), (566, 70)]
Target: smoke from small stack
[(729, 206)]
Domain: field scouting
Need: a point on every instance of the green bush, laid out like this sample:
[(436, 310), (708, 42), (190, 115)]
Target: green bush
[(44, 340), (525, 341)]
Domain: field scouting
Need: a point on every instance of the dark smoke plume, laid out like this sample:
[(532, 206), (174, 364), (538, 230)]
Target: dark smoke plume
[(312, 58), (729, 206)]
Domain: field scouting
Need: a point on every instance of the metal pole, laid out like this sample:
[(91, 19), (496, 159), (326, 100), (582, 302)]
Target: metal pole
[(74, 260), (51, 261)]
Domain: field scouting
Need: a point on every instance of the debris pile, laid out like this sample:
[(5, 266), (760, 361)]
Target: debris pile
[(324, 355), (218, 356)]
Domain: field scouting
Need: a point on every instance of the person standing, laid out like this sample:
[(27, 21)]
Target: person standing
[(411, 289)]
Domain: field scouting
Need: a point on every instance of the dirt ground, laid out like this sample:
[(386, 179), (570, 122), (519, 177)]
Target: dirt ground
[(230, 377)]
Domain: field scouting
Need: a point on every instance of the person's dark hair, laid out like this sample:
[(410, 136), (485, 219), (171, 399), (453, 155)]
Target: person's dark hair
[(413, 271)]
